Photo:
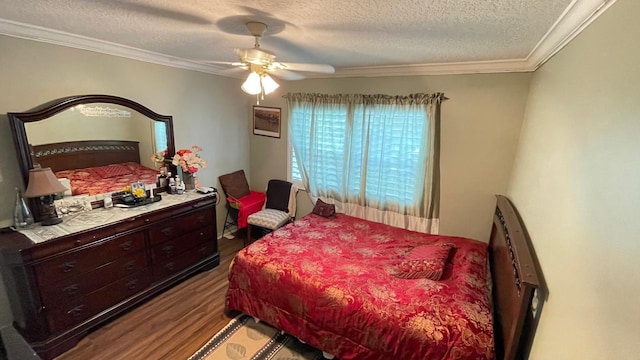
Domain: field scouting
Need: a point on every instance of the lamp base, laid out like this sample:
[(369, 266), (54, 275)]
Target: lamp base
[(51, 221), (48, 214)]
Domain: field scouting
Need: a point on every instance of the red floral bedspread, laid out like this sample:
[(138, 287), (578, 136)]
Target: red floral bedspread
[(106, 179), (328, 282)]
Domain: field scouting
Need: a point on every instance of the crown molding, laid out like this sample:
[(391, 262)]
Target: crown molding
[(578, 15), (45, 35), (471, 67)]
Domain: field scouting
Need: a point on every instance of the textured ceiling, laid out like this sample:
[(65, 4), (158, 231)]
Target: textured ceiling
[(366, 37)]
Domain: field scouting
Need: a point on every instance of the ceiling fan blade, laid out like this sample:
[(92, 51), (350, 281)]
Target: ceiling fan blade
[(228, 63), (286, 74), (316, 68)]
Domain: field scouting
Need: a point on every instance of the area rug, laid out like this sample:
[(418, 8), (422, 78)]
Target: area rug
[(243, 338)]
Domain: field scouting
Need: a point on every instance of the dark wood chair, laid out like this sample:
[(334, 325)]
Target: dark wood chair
[(241, 200)]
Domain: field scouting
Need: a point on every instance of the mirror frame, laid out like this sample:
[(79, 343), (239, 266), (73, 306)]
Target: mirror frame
[(47, 110)]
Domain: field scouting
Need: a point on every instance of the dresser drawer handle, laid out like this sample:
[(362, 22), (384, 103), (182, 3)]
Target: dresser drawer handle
[(170, 266), (202, 219), (68, 266), (130, 265), (200, 204), (147, 220), (126, 246), (167, 231), (76, 311), (71, 290), (132, 284), (168, 249)]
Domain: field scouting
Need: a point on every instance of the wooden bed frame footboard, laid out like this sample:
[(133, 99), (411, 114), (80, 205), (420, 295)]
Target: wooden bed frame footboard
[(515, 281), (84, 154)]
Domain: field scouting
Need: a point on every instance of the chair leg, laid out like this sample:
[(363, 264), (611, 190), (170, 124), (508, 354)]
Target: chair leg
[(224, 228)]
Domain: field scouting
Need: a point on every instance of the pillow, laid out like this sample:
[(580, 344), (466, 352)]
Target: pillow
[(323, 209), (109, 171), (235, 184), (424, 262), (135, 167)]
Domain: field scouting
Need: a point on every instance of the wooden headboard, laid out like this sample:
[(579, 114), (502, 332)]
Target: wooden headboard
[(84, 154), (515, 280)]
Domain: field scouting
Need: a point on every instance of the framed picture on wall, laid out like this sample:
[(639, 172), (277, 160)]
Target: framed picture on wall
[(266, 121)]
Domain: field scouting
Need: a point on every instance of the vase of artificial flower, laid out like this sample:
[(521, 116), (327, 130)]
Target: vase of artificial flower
[(189, 181), (188, 162)]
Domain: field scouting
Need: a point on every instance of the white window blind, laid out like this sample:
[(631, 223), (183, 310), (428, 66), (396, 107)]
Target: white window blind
[(160, 136), (387, 141)]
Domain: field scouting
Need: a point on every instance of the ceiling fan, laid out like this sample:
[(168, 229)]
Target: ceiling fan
[(261, 62)]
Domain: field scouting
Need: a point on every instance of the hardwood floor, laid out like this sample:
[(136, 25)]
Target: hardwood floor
[(172, 325)]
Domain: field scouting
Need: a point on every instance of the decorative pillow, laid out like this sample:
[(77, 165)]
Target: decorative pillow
[(323, 209), (235, 184), (135, 168), (425, 262), (109, 171)]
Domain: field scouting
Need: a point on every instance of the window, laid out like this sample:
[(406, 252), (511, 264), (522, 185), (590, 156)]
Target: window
[(388, 142), (159, 135), (294, 172), (373, 156)]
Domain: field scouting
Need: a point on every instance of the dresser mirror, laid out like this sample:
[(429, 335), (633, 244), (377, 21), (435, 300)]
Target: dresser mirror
[(86, 131)]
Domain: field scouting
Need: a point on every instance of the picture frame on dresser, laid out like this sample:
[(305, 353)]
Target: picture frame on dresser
[(66, 280)]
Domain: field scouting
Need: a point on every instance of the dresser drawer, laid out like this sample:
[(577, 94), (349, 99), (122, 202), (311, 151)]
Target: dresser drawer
[(75, 287), (87, 259), (209, 202), (164, 231), (172, 248), (198, 219), (62, 317), (174, 228), (137, 222), (168, 268), (57, 246)]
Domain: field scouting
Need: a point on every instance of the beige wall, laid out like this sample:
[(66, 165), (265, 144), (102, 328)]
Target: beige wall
[(480, 127), (576, 184), (575, 176), (208, 110)]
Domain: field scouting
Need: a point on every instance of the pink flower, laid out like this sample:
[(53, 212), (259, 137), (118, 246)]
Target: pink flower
[(189, 160)]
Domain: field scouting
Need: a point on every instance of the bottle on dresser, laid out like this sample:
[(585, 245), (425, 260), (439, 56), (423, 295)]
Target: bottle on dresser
[(168, 183), (172, 185), (162, 178)]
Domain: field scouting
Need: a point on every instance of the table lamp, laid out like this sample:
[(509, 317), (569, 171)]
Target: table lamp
[(43, 184)]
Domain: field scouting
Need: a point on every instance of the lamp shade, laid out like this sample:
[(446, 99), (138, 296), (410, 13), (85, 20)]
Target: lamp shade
[(269, 84), (252, 84), (43, 182)]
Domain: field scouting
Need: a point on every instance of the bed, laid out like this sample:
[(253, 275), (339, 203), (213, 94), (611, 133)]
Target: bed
[(96, 166), (339, 285)]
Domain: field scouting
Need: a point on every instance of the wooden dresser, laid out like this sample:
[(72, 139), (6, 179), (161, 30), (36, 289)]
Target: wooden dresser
[(66, 279)]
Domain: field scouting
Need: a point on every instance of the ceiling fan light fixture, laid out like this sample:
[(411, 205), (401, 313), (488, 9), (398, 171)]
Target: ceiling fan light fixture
[(252, 85), (268, 84)]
